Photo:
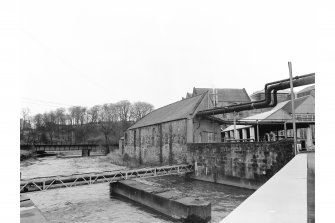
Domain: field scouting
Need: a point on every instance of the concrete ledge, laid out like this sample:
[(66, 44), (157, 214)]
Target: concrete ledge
[(281, 199), (171, 203), (232, 181), (29, 213)]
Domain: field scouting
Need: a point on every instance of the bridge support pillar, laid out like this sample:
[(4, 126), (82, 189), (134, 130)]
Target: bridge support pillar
[(85, 152)]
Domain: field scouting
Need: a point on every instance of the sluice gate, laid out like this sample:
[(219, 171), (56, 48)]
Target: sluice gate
[(45, 183)]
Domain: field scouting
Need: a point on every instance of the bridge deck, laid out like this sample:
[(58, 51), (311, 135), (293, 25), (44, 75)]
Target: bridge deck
[(45, 183), (59, 147)]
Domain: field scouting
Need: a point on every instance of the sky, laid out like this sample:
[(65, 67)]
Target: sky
[(94, 52), (76, 52)]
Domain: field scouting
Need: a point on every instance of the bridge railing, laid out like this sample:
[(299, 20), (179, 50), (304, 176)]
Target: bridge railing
[(45, 183)]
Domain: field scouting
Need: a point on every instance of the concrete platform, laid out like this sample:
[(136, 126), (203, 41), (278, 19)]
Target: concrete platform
[(29, 213), (282, 199), (169, 202)]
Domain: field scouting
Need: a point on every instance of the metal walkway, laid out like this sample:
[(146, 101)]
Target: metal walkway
[(45, 183)]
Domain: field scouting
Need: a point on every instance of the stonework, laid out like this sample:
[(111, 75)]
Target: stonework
[(164, 143), (248, 164)]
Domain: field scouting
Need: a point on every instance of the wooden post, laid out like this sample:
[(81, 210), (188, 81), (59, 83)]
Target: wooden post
[(234, 125), (285, 130), (257, 131)]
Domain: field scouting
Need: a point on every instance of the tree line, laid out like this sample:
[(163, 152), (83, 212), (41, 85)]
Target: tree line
[(102, 124)]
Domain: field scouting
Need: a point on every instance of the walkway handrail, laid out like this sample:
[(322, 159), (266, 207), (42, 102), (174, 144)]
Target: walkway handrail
[(45, 183)]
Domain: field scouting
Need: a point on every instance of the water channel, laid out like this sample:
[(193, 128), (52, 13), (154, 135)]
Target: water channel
[(92, 203)]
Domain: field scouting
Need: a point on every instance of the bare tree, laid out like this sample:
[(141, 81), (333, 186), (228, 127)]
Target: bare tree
[(107, 117), (140, 109), (49, 119), (123, 110), (72, 114), (25, 112), (38, 121), (60, 116), (82, 115), (93, 114)]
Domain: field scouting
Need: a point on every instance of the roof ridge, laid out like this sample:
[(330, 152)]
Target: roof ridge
[(219, 88), (199, 101), (171, 104)]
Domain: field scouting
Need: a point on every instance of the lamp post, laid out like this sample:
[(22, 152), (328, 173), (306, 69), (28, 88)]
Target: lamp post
[(293, 109)]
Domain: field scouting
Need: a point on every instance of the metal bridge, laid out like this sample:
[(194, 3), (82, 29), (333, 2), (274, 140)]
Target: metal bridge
[(45, 183), (59, 147)]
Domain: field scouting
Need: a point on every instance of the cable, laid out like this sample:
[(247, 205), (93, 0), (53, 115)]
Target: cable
[(46, 102)]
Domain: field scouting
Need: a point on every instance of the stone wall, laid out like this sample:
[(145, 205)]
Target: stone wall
[(248, 164), (164, 143)]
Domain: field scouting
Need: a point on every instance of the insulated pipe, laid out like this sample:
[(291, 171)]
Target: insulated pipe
[(266, 87), (298, 81)]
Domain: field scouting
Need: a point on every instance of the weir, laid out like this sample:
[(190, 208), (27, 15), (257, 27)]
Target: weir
[(29, 213), (169, 202)]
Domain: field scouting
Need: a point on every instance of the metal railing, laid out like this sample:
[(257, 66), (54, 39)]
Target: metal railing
[(45, 183)]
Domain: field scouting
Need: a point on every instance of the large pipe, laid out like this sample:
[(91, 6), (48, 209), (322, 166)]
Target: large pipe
[(278, 85), (265, 89)]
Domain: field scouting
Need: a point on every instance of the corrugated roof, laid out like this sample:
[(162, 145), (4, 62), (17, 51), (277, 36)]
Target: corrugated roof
[(227, 94), (264, 115), (178, 110), (231, 127), (280, 112)]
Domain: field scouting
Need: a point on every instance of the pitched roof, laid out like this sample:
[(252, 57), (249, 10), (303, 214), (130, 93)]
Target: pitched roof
[(282, 109), (307, 89), (175, 111), (272, 114), (297, 103), (226, 94), (280, 112), (231, 127)]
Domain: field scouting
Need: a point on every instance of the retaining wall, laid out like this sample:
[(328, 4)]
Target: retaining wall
[(247, 164)]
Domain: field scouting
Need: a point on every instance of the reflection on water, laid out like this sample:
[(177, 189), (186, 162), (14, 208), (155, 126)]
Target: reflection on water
[(92, 203)]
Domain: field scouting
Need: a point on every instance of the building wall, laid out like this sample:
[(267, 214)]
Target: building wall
[(166, 143), (246, 164), (202, 130), (163, 143)]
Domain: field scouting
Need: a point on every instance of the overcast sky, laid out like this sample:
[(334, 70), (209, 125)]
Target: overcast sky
[(94, 52)]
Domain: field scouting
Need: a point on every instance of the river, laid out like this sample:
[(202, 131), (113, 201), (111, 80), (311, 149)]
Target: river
[(92, 203)]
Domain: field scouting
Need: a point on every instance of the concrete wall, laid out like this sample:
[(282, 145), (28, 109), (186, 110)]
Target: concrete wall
[(169, 202), (247, 164)]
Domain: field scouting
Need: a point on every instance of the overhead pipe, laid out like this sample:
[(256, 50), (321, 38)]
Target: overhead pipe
[(265, 89), (273, 86)]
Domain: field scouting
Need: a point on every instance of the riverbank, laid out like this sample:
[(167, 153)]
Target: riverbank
[(26, 154), (117, 158), (92, 203)]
